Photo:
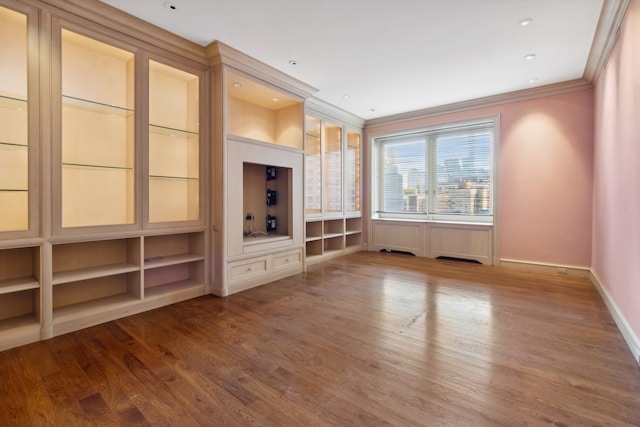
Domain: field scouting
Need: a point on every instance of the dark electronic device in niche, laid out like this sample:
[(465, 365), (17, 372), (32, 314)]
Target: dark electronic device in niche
[(271, 197), (271, 223), (271, 174)]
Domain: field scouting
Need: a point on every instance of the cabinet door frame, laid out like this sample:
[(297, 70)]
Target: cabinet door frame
[(203, 134), (35, 126), (97, 33), (346, 130)]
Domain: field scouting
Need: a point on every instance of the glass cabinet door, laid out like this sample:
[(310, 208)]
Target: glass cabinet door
[(14, 139), (313, 167), (174, 141), (98, 137), (333, 169), (352, 172)]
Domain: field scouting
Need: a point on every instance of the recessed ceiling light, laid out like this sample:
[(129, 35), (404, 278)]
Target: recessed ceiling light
[(236, 84), (345, 96), (172, 7), (530, 56), (275, 99), (525, 22), (533, 80)]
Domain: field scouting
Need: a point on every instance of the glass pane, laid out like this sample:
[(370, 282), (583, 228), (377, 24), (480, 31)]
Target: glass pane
[(333, 169), (14, 140), (97, 133), (174, 165), (404, 176), (464, 175), (313, 167), (352, 172)]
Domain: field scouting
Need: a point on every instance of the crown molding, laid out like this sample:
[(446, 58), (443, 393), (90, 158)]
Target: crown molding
[(128, 26), (222, 54), (520, 95), (322, 108), (604, 40)]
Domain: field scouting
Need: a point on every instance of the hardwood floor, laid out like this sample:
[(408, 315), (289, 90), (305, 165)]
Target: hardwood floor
[(365, 340)]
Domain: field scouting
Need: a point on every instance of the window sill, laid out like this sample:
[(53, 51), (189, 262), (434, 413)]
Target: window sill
[(433, 221)]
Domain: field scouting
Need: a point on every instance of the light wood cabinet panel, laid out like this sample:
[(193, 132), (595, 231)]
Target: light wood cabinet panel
[(14, 122)]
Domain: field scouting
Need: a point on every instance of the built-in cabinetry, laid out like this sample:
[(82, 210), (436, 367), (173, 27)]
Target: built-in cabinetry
[(97, 146), (258, 172), (174, 144), (434, 239), (333, 217), (118, 225), (18, 135)]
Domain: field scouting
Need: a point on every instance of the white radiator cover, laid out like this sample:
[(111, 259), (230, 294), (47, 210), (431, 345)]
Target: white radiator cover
[(434, 239)]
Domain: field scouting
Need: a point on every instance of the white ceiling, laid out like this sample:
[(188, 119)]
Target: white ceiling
[(394, 56)]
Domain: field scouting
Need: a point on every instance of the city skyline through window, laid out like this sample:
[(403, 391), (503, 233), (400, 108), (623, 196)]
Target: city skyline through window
[(444, 173)]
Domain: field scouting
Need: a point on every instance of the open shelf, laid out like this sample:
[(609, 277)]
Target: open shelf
[(95, 106), (172, 288), (262, 113), (87, 260), (93, 272), (8, 286), (333, 228), (19, 308), (82, 310), (313, 230), (173, 262), (353, 225)]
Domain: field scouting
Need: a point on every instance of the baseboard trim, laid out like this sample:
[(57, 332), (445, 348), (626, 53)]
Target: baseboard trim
[(633, 341), (538, 267)]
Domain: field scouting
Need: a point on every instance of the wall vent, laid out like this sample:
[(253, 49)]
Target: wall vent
[(450, 258), (393, 251)]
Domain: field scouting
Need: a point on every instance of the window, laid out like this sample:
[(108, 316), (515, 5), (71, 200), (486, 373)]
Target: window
[(443, 173)]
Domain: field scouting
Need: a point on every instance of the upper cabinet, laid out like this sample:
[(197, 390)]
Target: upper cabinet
[(97, 146), (332, 168), (262, 113), (332, 183), (129, 151), (352, 172), (174, 145), (17, 143)]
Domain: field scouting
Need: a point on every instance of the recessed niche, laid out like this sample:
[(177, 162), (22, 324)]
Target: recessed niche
[(257, 206)]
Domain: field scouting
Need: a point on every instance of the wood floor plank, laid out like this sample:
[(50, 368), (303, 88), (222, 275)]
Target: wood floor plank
[(364, 340)]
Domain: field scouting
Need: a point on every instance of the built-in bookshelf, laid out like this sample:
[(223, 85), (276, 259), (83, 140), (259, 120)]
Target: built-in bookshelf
[(111, 221), (333, 219)]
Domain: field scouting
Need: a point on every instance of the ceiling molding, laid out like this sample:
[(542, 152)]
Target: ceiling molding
[(315, 106), (604, 40), (520, 95), (121, 25), (220, 53)]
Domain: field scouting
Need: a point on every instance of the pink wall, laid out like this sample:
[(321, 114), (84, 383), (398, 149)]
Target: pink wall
[(545, 175), (616, 225)]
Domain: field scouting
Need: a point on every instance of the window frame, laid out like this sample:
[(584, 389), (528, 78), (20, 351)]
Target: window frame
[(431, 131)]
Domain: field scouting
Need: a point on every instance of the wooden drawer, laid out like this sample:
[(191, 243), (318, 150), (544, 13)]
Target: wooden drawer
[(245, 269), (290, 259)]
